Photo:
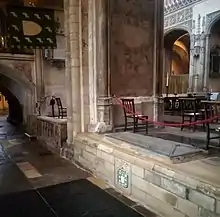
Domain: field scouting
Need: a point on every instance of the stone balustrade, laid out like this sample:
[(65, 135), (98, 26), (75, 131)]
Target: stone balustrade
[(50, 130)]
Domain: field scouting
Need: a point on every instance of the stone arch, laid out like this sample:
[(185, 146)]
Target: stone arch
[(213, 54), (211, 20), (20, 90), (174, 34), (177, 58), (17, 77), (177, 28)]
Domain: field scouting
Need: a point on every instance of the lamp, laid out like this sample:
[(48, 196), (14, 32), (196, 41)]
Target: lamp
[(32, 3)]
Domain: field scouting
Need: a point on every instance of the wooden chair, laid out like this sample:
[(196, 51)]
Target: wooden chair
[(211, 109), (62, 111), (129, 113), (190, 109)]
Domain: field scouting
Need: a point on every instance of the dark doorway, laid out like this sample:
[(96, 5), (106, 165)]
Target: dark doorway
[(15, 114)]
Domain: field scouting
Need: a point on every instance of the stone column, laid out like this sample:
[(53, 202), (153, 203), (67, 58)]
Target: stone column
[(100, 102), (68, 77), (207, 63), (104, 102), (191, 63), (73, 68), (92, 56), (202, 62), (40, 91), (158, 61)]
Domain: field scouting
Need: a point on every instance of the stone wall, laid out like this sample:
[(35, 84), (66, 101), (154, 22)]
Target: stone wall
[(145, 179), (131, 47), (54, 81)]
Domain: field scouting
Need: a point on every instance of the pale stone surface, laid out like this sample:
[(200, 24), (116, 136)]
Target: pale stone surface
[(206, 213), (138, 171), (218, 206), (108, 157), (187, 207), (164, 171), (202, 200), (92, 150), (161, 207), (105, 148), (139, 183), (90, 157), (152, 178), (138, 194), (124, 156), (186, 180), (173, 187), (161, 194)]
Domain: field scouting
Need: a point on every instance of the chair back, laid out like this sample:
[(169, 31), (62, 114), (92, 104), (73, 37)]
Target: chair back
[(59, 103), (128, 106)]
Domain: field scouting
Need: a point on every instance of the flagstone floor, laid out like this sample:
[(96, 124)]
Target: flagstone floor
[(34, 182)]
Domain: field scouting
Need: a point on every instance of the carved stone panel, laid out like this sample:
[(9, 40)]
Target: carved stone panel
[(19, 68), (172, 6), (180, 18), (25, 68)]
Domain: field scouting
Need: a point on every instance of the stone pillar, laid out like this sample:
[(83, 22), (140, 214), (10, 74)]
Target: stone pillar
[(168, 63), (40, 91), (202, 62), (72, 11), (100, 102), (104, 102), (68, 77), (158, 61), (207, 63), (92, 53), (191, 63)]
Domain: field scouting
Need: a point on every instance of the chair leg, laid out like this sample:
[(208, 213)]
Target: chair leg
[(194, 126), (135, 125), (207, 136), (126, 123), (203, 125), (146, 126), (183, 120)]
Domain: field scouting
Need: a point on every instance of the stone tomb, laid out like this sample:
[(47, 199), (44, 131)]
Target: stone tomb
[(184, 189)]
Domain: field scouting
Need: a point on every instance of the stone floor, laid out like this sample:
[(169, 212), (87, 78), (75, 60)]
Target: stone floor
[(35, 182)]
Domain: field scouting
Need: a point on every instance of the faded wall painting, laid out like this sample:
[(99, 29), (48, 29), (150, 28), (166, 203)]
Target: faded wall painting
[(131, 47)]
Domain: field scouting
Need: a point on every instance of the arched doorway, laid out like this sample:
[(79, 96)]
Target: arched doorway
[(214, 64), (177, 57), (19, 93)]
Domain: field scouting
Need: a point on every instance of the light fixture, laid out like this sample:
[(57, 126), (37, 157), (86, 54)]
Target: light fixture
[(32, 3)]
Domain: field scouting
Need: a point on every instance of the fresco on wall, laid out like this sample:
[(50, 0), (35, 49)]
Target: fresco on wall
[(131, 47)]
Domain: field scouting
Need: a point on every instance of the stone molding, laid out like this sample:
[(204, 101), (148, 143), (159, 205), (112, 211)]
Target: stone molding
[(7, 56)]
